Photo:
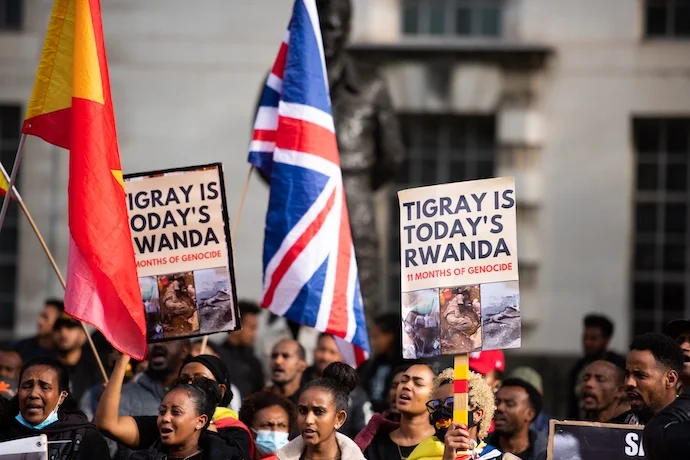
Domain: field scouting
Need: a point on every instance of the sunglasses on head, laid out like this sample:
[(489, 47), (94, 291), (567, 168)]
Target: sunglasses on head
[(184, 380), (435, 404)]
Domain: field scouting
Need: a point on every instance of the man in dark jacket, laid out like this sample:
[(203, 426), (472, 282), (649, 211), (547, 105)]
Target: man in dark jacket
[(517, 404), (359, 411), (667, 433)]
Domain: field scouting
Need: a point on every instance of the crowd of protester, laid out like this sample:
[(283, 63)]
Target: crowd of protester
[(184, 404)]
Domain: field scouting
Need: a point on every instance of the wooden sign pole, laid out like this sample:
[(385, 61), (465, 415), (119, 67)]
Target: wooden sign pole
[(461, 373)]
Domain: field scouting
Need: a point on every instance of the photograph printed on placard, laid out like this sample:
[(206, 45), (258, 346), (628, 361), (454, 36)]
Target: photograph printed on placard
[(149, 294), (179, 313), (501, 315), (461, 328), (214, 300), (420, 323), (566, 447)]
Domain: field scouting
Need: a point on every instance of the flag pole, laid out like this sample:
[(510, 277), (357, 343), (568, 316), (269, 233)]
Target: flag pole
[(238, 213), (12, 179), (12, 190)]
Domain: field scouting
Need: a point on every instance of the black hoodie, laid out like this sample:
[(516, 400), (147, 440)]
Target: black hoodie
[(84, 439)]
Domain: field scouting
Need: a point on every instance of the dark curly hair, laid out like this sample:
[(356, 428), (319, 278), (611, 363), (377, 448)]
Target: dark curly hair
[(339, 379), (260, 400), (665, 350)]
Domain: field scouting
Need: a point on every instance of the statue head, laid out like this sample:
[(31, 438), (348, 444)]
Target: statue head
[(334, 18)]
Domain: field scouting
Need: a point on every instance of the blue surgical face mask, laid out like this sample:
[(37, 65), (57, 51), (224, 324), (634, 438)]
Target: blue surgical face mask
[(51, 418), (270, 442)]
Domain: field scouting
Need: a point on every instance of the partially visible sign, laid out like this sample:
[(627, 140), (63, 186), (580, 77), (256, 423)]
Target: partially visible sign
[(34, 448), (570, 440)]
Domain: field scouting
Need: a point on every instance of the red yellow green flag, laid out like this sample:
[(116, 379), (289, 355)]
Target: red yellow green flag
[(3, 185), (71, 107)]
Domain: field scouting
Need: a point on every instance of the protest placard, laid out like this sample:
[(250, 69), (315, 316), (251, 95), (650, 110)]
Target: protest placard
[(33, 448), (181, 239), (570, 440), (459, 270)]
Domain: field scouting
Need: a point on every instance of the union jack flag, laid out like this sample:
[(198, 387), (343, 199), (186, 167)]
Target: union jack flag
[(310, 272)]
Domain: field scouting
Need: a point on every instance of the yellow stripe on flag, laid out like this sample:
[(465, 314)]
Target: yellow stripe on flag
[(4, 185), (87, 82), (117, 174), (53, 87), (66, 70)]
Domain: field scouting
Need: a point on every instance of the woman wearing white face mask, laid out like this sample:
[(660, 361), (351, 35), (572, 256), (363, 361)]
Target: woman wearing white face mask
[(271, 418), (43, 406)]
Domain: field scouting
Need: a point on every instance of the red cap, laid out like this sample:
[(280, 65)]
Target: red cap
[(487, 361)]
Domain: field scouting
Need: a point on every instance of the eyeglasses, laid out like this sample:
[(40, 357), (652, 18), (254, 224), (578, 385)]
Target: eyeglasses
[(435, 404)]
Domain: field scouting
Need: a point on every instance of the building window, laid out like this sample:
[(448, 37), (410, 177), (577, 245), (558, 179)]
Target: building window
[(10, 118), (440, 149), (461, 18), (10, 14), (661, 261), (667, 18)]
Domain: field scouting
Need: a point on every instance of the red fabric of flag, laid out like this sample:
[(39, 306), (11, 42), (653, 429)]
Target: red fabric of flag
[(71, 107)]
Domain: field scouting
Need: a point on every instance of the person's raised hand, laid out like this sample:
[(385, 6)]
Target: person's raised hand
[(456, 441)]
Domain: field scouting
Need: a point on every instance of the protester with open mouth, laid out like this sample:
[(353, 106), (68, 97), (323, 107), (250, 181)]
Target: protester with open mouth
[(518, 403), (414, 391), (603, 397), (43, 405), (320, 413), (140, 432), (184, 416), (288, 363), (386, 421)]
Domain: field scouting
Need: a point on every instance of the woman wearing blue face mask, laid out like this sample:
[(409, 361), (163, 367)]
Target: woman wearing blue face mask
[(43, 405), (271, 418)]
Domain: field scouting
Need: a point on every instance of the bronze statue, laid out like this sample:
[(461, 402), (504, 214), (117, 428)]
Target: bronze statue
[(369, 141)]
